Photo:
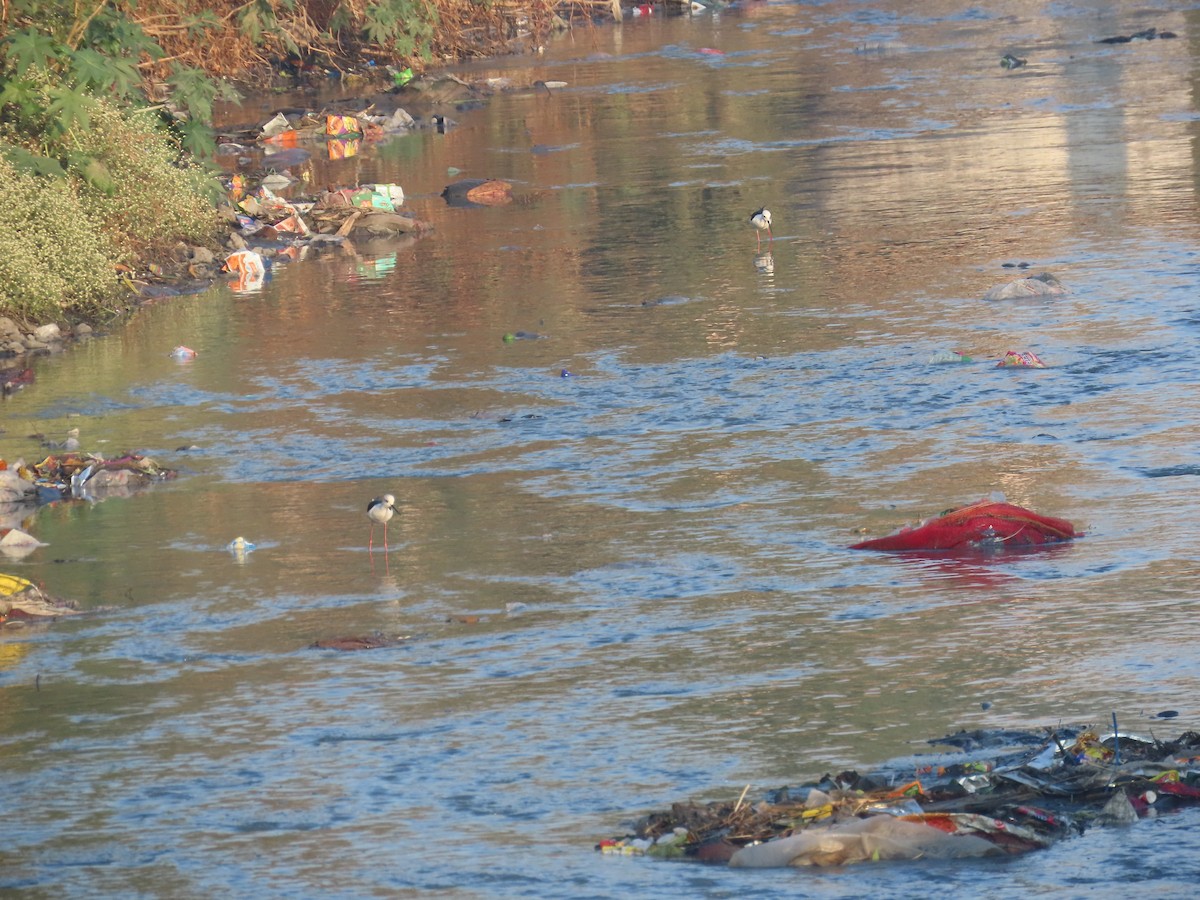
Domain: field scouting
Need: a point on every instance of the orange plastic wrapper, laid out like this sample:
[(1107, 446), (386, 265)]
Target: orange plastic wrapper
[(293, 224), (289, 138), (1026, 358), (249, 268), (336, 126), (344, 148), (245, 262)]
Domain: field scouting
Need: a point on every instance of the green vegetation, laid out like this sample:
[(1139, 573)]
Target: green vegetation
[(51, 260), (91, 177), (103, 105), (86, 185)]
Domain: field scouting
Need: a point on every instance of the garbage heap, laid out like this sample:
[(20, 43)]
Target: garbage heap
[(75, 475), (22, 601), (987, 802)]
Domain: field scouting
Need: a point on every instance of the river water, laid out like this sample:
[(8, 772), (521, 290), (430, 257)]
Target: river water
[(629, 585)]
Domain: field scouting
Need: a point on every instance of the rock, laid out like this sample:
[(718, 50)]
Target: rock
[(442, 88), (1117, 811), (203, 256), (15, 378), (1043, 285), (9, 329), (48, 333), (478, 192), (398, 121), (81, 329), (14, 488), (113, 478), (29, 342), (17, 543), (276, 181)]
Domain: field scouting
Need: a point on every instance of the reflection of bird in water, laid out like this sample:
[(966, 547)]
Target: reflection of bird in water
[(765, 264), (380, 510), (761, 220)]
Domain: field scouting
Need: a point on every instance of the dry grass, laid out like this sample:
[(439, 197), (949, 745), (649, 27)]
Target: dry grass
[(333, 33)]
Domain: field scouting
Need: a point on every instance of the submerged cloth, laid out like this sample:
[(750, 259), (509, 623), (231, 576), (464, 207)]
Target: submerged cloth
[(980, 525)]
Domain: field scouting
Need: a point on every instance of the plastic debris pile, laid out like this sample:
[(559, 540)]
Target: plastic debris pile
[(342, 133), (22, 602), (286, 230), (83, 475), (985, 801)]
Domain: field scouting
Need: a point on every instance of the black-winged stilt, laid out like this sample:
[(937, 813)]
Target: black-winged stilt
[(761, 220), (380, 510)]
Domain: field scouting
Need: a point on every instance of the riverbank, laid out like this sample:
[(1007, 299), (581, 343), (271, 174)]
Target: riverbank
[(192, 267), (74, 211)]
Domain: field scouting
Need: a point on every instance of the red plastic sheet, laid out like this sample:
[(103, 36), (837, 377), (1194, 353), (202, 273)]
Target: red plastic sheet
[(979, 525)]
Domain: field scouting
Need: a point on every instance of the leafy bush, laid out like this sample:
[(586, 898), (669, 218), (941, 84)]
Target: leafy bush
[(82, 197), (89, 180), (51, 255), (134, 190)]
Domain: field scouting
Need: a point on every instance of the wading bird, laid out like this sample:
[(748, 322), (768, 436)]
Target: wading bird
[(761, 221), (380, 510)]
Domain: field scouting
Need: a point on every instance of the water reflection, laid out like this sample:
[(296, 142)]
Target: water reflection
[(629, 586)]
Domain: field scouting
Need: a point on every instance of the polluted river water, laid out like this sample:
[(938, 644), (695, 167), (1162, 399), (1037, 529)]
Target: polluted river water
[(620, 548)]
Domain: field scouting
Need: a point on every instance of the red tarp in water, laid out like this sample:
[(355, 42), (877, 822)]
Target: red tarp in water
[(983, 524)]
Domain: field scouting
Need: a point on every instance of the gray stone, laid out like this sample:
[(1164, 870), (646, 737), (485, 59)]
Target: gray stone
[(48, 333), (1043, 285), (14, 488)]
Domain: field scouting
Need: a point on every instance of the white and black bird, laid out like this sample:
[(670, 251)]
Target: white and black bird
[(380, 510), (761, 220)]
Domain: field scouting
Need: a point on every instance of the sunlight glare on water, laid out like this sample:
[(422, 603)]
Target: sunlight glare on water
[(620, 554)]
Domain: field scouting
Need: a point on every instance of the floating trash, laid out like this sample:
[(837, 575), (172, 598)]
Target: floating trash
[(372, 641), (22, 601), (239, 547), (1037, 788), (948, 356), (1021, 358), (982, 525)]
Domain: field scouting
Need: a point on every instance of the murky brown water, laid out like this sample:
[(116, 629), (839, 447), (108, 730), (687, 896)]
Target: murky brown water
[(672, 517)]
